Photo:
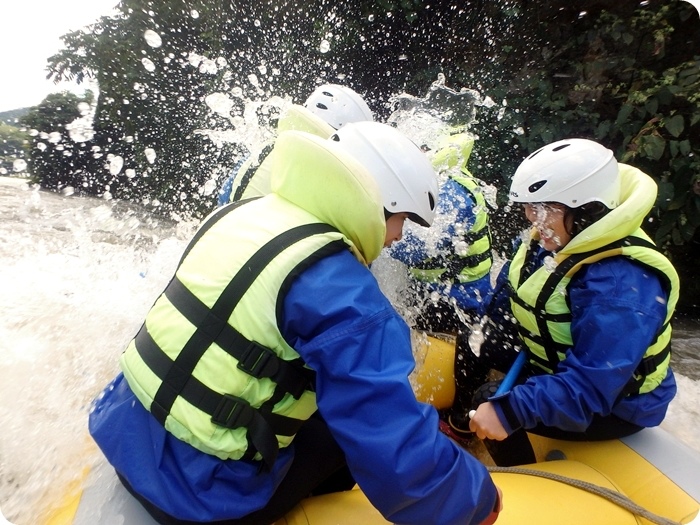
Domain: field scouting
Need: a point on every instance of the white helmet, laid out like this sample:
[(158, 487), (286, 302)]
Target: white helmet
[(572, 172), (338, 105), (403, 172)]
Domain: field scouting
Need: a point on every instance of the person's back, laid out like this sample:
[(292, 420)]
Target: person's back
[(450, 265), (288, 272)]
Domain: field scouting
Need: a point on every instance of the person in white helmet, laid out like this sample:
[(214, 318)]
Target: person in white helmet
[(327, 109), (450, 272), (588, 296), (273, 367)]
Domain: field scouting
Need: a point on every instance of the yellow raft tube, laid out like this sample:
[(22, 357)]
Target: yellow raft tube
[(649, 474), (647, 478)]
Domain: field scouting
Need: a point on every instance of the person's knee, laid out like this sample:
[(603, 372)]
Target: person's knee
[(484, 393)]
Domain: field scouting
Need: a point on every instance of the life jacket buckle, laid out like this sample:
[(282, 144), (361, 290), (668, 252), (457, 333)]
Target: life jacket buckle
[(233, 412), (258, 361)]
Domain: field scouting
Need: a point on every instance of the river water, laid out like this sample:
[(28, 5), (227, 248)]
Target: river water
[(77, 276)]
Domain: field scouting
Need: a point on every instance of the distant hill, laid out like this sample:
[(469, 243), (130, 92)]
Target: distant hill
[(12, 115)]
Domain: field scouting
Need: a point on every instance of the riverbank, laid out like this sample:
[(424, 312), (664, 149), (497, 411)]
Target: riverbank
[(14, 181)]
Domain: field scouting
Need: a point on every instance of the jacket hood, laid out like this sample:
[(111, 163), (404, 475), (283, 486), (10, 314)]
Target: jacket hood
[(321, 178), (298, 118), (637, 196)]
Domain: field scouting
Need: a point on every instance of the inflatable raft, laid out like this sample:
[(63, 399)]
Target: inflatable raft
[(649, 477)]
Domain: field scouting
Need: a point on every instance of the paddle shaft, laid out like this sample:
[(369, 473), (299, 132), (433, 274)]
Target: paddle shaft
[(510, 378)]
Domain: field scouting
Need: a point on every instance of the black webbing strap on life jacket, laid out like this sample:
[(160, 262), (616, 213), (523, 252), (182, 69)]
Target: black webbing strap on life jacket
[(646, 367), (176, 376), (453, 264), (254, 359), (250, 172), (225, 410)]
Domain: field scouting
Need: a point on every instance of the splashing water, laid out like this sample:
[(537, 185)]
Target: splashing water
[(78, 276), (476, 339)]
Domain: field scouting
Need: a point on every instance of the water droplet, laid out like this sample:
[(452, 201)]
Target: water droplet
[(152, 38), (488, 102), (148, 64), (209, 187), (219, 103), (325, 46), (476, 339), (19, 165), (549, 264), (150, 154), (116, 163), (208, 66)]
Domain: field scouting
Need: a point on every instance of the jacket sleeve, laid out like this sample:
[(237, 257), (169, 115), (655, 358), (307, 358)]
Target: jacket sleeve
[(617, 309), (345, 329)]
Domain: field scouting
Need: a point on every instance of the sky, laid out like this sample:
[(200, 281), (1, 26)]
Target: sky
[(30, 34)]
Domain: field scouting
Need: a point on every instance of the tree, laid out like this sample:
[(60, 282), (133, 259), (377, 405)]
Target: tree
[(622, 73), (57, 157), (13, 147)]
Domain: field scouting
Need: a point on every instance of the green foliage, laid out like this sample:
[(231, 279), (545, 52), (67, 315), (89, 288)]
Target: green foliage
[(13, 146), (622, 73), (629, 81), (662, 121), (54, 157)]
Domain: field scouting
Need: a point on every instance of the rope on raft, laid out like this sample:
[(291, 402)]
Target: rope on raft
[(611, 495)]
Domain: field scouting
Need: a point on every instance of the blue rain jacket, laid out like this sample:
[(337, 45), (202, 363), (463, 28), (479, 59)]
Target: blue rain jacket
[(617, 306), (339, 321), (454, 208), (224, 193)]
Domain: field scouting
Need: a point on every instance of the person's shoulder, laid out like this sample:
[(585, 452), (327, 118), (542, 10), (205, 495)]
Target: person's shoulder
[(619, 276), (454, 196), (339, 269), (619, 264)]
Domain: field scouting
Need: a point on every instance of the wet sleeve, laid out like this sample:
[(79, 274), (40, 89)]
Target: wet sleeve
[(345, 329)]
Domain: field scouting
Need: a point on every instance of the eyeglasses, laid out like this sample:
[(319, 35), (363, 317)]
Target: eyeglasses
[(543, 207)]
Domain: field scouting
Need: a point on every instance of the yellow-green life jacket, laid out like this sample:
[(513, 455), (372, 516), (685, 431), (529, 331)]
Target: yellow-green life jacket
[(253, 177), (210, 362), (476, 261), (540, 301)]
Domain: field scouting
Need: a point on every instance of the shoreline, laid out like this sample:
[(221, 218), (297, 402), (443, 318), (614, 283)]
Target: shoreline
[(8, 180)]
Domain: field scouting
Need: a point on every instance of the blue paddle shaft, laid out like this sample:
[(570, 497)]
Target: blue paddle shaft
[(512, 375), (510, 378)]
